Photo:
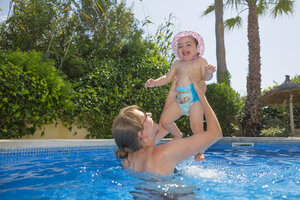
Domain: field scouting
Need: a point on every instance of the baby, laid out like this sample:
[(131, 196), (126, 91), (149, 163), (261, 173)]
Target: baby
[(188, 47)]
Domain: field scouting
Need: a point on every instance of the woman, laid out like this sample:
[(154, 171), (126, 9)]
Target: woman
[(135, 134)]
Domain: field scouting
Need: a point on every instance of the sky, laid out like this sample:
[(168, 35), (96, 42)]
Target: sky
[(280, 37)]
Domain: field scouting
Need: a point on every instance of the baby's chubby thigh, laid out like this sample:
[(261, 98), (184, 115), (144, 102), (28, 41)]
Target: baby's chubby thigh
[(196, 118), (170, 114)]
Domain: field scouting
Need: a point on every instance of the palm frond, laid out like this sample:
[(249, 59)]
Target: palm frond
[(262, 7), (234, 3), (283, 6), (208, 10), (231, 23)]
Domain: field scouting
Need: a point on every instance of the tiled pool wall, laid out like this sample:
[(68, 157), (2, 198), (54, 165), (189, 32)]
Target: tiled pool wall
[(33, 148), (29, 148)]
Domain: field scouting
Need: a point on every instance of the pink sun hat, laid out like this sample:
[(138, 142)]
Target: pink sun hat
[(197, 36)]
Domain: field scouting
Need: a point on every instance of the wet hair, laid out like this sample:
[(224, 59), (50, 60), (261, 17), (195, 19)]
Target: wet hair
[(125, 130)]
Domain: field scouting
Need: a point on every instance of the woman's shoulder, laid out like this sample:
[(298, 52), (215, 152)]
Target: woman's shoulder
[(161, 151)]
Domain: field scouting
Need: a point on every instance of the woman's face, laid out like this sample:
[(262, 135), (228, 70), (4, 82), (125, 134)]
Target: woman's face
[(187, 48), (149, 126)]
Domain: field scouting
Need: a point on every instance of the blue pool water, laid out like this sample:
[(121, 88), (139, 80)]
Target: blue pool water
[(265, 171)]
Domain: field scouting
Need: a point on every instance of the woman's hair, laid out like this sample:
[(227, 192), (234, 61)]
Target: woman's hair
[(125, 130)]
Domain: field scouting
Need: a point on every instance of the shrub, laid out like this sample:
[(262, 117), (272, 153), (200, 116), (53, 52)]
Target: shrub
[(275, 122), (32, 93), (114, 84), (227, 105)]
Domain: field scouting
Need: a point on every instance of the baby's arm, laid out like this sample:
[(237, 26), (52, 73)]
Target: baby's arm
[(162, 80), (207, 70)]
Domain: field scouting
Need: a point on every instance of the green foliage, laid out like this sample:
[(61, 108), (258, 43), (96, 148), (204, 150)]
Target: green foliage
[(163, 39), (275, 131), (72, 30), (296, 109), (209, 9), (98, 46), (32, 93), (283, 6), (227, 105), (296, 78), (28, 27), (231, 23), (275, 7), (275, 122), (114, 84)]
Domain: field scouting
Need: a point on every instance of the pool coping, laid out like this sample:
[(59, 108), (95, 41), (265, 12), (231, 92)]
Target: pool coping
[(16, 144)]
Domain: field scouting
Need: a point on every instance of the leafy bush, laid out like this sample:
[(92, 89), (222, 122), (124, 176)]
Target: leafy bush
[(227, 105), (114, 84), (32, 93), (275, 122)]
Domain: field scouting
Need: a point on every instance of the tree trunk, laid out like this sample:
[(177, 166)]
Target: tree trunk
[(222, 72), (252, 116)]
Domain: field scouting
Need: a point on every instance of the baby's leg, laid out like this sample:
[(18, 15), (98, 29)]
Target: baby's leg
[(170, 99), (162, 131), (169, 115), (197, 128)]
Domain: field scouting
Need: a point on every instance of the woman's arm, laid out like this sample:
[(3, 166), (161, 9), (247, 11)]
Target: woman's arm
[(178, 150)]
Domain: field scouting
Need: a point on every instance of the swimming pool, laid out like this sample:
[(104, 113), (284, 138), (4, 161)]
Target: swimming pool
[(265, 171)]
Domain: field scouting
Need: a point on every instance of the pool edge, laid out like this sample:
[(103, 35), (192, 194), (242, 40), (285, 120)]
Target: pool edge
[(12, 144)]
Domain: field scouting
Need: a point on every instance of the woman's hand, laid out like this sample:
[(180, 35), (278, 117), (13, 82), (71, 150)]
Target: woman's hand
[(200, 88)]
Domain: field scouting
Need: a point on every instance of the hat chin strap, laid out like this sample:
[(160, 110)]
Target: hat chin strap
[(195, 57)]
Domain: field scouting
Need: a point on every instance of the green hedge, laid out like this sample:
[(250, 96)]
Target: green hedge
[(32, 93), (114, 84), (227, 105)]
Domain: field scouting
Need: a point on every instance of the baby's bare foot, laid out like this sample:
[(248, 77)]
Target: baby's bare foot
[(199, 157)]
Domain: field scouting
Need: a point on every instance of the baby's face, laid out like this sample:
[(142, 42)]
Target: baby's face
[(187, 48)]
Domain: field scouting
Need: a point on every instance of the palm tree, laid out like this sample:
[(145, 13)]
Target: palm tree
[(252, 116), (222, 72)]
